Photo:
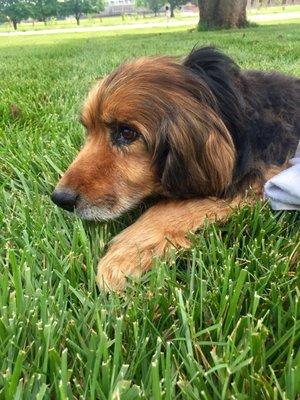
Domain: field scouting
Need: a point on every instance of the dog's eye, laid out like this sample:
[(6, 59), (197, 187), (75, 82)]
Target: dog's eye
[(124, 135)]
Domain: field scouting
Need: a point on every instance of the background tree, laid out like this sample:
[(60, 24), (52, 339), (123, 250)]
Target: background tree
[(174, 4), (222, 13), (80, 7), (153, 5), (43, 9), (14, 10)]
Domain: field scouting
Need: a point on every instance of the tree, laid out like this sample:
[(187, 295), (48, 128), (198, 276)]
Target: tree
[(174, 4), (43, 9), (222, 14), (15, 10), (80, 7), (153, 5)]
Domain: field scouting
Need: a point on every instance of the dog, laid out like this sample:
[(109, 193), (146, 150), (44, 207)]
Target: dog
[(195, 135)]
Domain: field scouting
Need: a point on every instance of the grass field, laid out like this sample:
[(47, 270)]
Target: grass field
[(220, 321), (132, 19)]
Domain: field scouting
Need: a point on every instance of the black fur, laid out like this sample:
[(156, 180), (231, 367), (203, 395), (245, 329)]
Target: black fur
[(260, 110)]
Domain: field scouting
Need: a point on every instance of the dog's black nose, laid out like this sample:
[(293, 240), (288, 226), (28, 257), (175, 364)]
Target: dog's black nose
[(64, 198)]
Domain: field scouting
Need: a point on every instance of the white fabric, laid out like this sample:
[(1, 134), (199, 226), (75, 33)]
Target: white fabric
[(283, 190)]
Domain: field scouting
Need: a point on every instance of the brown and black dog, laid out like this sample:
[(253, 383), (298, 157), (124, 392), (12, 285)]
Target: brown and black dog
[(196, 134)]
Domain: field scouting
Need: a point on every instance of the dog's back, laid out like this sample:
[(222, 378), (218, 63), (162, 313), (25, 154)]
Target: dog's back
[(260, 110), (274, 114)]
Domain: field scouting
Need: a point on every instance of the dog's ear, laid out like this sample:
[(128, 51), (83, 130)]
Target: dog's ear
[(199, 157), (225, 81)]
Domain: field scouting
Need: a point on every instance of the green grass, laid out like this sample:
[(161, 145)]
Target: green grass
[(131, 19), (220, 321)]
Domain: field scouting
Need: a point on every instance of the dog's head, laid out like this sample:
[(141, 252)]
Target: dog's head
[(152, 128)]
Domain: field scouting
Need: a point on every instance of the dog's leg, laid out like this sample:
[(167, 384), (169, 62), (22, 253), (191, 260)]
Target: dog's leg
[(163, 226)]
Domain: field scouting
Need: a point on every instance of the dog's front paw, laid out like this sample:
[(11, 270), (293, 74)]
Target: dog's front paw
[(130, 254), (124, 260), (110, 277), (132, 251)]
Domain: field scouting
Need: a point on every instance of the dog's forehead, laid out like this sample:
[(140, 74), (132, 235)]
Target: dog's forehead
[(138, 75), (135, 91), (134, 88)]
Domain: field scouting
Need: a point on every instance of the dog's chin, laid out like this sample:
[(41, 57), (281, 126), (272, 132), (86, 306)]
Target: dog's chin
[(95, 213), (105, 212)]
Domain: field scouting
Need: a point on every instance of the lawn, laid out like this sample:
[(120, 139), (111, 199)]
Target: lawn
[(220, 321)]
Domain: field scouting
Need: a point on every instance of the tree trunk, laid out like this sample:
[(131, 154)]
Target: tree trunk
[(15, 24), (222, 13), (172, 10), (77, 17)]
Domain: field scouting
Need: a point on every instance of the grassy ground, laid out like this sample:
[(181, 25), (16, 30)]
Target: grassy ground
[(131, 19), (89, 21), (220, 321)]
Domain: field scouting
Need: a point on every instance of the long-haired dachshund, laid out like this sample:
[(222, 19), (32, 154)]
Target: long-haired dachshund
[(195, 134)]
